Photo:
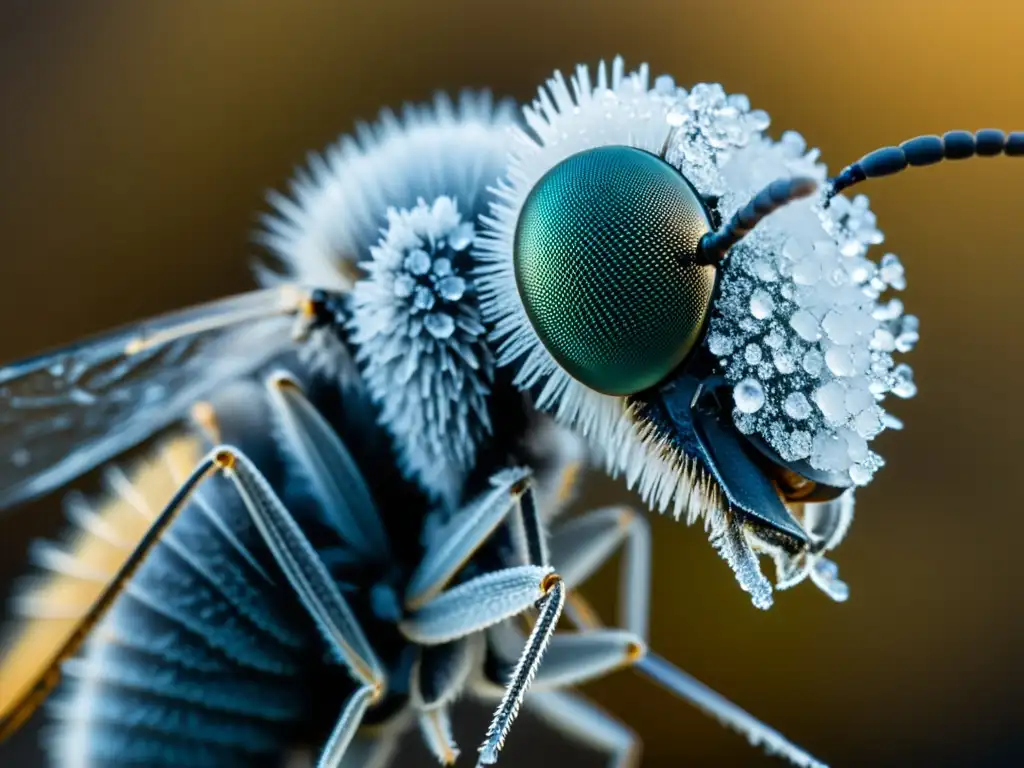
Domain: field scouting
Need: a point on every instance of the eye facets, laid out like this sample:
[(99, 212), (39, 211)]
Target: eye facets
[(603, 256)]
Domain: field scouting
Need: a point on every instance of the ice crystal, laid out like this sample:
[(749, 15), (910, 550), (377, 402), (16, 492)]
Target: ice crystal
[(423, 178), (421, 342), (815, 298)]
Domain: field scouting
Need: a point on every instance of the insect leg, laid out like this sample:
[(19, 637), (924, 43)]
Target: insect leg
[(436, 728), (550, 610), (483, 602), (574, 716), (478, 603), (329, 467), (439, 675), (580, 546), (376, 751), (317, 592), (464, 534), (372, 747), (305, 572), (348, 722), (572, 658)]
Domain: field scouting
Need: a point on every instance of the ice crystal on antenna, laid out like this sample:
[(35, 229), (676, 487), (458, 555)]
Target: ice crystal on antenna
[(421, 343), (391, 211)]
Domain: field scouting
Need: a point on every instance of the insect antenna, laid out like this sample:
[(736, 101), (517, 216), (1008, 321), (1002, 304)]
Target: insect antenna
[(926, 150), (714, 245)]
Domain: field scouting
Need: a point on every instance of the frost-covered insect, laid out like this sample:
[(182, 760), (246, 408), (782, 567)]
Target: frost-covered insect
[(346, 509)]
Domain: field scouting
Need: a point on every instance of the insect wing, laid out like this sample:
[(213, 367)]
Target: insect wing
[(66, 412)]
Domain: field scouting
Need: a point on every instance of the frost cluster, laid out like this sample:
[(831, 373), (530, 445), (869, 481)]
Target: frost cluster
[(421, 342), (801, 327)]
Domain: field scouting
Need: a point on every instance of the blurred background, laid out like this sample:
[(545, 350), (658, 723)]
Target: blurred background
[(139, 140)]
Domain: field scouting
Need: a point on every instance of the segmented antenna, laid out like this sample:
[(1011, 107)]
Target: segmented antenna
[(714, 245), (926, 150)]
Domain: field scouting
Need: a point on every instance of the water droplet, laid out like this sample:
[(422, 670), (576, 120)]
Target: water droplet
[(796, 406), (903, 381), (452, 288), (889, 311), (676, 116), (418, 262), (841, 327), (759, 119), (784, 361), (807, 272), (764, 271), (761, 304), (664, 85), (800, 444), (828, 451), (867, 423), (439, 325), (774, 339), (404, 286), (906, 341), (831, 401), (839, 361), (858, 398), (825, 575), (719, 344), (744, 422), (752, 354), (861, 474), (748, 395), (805, 324), (891, 422), (461, 237), (856, 445), (442, 266), (21, 457), (812, 362), (891, 271), (883, 340), (423, 298), (794, 142)]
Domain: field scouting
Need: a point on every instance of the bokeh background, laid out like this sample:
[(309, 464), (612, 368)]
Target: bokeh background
[(138, 140)]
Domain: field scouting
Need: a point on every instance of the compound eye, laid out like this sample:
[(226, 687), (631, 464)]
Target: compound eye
[(605, 262)]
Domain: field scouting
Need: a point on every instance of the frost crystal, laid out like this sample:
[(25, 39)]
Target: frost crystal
[(423, 177), (799, 313), (819, 312), (421, 342)]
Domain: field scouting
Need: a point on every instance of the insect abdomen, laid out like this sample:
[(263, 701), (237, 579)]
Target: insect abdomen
[(204, 659)]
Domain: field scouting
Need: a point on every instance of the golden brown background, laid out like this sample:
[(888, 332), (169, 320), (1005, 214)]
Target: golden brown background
[(138, 139)]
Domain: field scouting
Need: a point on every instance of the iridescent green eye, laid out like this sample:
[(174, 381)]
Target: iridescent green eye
[(605, 263)]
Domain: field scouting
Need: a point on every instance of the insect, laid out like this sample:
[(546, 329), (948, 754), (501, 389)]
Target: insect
[(344, 510)]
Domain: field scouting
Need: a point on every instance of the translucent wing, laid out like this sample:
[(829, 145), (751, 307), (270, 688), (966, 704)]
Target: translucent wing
[(65, 412)]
